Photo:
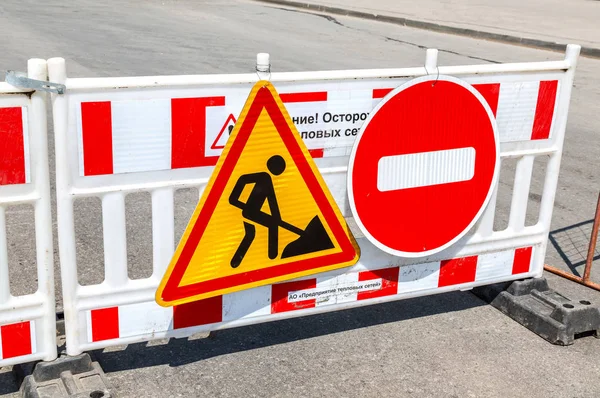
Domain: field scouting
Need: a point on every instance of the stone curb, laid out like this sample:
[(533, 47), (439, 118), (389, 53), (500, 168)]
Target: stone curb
[(413, 23)]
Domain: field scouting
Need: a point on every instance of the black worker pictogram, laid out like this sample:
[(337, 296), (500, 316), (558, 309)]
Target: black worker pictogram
[(311, 239)]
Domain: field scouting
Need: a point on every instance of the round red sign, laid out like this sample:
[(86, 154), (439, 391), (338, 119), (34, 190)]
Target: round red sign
[(423, 166)]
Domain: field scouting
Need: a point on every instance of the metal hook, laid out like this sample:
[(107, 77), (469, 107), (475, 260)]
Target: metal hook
[(258, 73), (437, 77), (21, 80)]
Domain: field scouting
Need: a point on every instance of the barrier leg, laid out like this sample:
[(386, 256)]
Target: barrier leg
[(65, 378), (547, 313)]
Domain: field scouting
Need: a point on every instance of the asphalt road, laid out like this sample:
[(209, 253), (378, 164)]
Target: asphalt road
[(448, 345)]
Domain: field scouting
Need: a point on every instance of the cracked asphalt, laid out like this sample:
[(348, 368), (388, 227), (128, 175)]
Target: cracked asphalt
[(446, 345)]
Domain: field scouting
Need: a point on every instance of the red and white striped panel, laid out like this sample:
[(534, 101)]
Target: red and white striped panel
[(524, 110), (147, 135), (14, 146), (161, 134), (146, 319), (17, 339)]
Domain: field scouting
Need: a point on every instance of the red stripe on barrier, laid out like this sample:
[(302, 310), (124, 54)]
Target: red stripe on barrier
[(16, 339), (105, 324), (389, 282), (522, 260), (491, 93), (188, 129), (304, 97), (544, 110), (279, 296), (96, 126), (457, 271), (317, 153), (12, 153), (381, 92), (197, 313)]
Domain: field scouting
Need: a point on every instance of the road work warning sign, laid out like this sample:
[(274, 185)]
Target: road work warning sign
[(266, 215)]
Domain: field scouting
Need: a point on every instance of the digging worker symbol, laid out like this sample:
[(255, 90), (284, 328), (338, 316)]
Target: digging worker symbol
[(312, 239)]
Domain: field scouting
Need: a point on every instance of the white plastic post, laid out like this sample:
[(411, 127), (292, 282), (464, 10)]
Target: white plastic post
[(553, 168), (66, 242), (263, 63), (163, 230), (37, 69), (4, 283), (115, 239), (486, 225), (518, 207), (431, 61)]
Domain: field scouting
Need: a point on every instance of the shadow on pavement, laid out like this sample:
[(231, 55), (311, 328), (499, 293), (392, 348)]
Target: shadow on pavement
[(183, 351), (572, 244)]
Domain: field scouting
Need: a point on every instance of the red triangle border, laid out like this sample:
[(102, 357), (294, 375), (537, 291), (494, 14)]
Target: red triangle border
[(263, 100)]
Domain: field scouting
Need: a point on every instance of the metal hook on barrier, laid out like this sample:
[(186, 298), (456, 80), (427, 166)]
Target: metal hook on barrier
[(263, 65), (431, 62), (22, 81)]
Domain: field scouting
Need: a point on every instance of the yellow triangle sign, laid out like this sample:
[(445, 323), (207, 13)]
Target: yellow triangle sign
[(265, 216)]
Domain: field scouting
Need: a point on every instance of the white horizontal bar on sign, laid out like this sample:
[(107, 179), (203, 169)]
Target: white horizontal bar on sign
[(135, 291), (505, 68), (128, 187), (22, 303), (196, 80), (93, 83), (19, 197), (40, 355), (532, 152), (19, 314), (425, 168)]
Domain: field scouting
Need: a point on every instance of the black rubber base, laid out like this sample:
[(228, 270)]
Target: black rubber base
[(72, 377), (545, 312)]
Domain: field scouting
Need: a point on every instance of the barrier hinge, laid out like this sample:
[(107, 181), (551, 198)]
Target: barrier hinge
[(19, 79)]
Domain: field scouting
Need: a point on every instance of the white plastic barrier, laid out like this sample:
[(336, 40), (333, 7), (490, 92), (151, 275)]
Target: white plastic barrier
[(27, 323), (115, 136)]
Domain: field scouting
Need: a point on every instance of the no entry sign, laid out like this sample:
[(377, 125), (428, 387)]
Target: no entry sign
[(424, 166)]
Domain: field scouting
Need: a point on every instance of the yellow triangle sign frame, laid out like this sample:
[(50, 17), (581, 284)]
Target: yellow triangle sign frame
[(265, 171)]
